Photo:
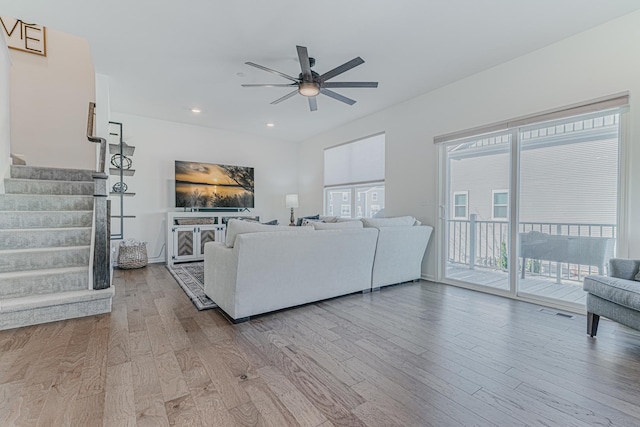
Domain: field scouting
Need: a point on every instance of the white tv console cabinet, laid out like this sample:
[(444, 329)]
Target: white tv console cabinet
[(187, 232)]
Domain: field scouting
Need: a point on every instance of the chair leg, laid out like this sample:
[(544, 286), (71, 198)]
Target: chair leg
[(592, 324)]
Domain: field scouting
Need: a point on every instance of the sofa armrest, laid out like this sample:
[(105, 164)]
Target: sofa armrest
[(623, 268), (220, 270)]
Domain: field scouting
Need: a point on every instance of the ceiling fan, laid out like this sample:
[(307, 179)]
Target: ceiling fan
[(310, 84)]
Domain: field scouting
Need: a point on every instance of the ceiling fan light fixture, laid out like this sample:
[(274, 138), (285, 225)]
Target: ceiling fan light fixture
[(309, 89)]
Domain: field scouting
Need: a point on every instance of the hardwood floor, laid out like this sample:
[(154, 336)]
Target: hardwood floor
[(419, 354)]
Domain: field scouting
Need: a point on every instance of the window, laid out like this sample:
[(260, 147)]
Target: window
[(500, 204), (460, 204), (352, 171), (375, 209), (330, 211)]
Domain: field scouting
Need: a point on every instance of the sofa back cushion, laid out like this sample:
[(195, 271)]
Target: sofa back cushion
[(400, 221), (336, 225), (236, 227)]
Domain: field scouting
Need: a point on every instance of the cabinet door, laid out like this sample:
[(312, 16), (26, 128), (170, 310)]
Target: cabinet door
[(207, 233), (184, 243)]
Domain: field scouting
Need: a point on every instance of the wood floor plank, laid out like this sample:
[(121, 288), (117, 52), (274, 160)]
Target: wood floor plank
[(206, 397), (177, 335), (157, 335), (119, 406), (65, 387), (417, 354), (94, 372), (118, 347), (10, 402), (302, 409), (182, 411), (88, 410), (272, 410), (223, 379), (172, 383)]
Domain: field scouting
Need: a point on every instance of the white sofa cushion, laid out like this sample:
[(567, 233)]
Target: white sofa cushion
[(269, 271), (399, 254), (236, 227), (336, 225), (406, 221)]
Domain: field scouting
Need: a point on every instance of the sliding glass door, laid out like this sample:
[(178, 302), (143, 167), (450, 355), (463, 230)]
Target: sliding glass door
[(532, 209), (568, 203), (477, 224)]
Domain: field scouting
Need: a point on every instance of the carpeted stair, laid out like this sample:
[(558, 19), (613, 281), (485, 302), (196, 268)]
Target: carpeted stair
[(45, 245)]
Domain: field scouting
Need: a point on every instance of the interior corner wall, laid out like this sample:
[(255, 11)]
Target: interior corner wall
[(5, 116), (49, 103), (158, 144), (599, 62)]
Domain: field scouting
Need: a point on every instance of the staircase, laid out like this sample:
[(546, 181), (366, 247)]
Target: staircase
[(46, 220)]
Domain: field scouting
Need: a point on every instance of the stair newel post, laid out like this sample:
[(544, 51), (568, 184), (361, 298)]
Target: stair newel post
[(102, 253)]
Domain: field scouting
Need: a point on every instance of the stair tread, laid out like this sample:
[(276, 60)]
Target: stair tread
[(41, 272), (46, 212), (49, 180), (47, 195), (53, 168), (9, 230), (54, 249), (46, 300)]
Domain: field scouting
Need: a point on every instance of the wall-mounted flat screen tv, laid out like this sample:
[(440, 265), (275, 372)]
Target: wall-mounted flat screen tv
[(206, 185)]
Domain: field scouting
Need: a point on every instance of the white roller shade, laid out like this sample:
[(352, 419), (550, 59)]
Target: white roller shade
[(355, 162)]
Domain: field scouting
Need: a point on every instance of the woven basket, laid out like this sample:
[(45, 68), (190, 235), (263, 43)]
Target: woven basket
[(132, 255)]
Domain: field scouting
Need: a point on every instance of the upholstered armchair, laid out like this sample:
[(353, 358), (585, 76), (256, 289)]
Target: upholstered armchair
[(616, 297)]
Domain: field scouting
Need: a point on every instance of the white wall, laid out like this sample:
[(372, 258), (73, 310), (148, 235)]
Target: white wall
[(5, 117), (159, 143), (593, 64), (49, 103)]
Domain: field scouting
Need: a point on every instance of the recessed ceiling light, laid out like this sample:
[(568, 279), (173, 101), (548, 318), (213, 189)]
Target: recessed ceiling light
[(270, 125), (196, 110), (240, 74)]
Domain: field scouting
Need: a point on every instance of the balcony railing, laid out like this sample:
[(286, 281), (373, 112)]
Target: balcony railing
[(485, 244)]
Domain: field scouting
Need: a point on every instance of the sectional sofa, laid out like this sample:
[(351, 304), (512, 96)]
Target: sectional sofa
[(261, 268)]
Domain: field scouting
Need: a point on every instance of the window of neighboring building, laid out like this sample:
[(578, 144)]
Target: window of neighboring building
[(330, 211), (500, 201), (375, 209), (355, 169), (460, 204), (345, 211)]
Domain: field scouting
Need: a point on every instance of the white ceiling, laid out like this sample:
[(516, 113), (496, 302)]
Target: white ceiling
[(164, 57)]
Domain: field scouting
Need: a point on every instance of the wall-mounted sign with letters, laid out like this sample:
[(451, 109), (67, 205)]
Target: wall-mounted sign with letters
[(24, 36)]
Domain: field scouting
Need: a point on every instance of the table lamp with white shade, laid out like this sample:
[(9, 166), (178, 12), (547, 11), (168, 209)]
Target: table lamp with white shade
[(291, 200)]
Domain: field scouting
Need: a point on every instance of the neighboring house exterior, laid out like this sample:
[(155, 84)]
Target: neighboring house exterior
[(368, 202)]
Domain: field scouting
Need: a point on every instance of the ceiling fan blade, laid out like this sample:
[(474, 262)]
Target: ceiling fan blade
[(313, 103), (272, 71), (350, 84), (270, 85), (337, 96), (287, 96), (303, 57), (342, 68)]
